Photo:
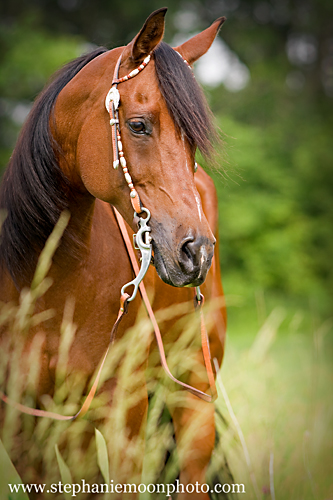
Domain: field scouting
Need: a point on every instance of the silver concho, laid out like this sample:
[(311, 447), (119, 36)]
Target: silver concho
[(114, 96)]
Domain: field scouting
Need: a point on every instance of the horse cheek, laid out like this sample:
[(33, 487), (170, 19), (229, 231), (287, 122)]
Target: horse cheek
[(94, 163)]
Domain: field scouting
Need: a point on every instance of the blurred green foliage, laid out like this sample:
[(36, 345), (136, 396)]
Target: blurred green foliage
[(276, 205), (273, 224), (30, 57)]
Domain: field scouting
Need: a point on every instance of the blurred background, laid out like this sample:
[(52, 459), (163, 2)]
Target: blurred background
[(269, 81)]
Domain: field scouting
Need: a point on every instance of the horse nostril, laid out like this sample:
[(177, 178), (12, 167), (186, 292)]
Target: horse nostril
[(195, 257), (192, 253), (187, 248)]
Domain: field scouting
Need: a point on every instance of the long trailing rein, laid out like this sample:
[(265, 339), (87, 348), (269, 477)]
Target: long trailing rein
[(143, 242)]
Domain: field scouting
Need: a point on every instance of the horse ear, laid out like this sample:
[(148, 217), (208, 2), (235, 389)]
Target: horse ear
[(150, 35), (198, 45)]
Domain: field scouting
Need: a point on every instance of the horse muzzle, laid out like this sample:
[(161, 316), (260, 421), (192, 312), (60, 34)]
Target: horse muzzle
[(188, 265)]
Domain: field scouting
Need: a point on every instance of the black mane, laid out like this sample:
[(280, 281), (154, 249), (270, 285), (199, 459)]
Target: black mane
[(34, 190), (184, 98)]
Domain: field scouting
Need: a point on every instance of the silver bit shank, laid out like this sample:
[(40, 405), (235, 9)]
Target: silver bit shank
[(143, 243)]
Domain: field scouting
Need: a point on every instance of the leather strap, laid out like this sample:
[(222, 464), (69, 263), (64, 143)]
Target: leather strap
[(158, 336), (205, 347)]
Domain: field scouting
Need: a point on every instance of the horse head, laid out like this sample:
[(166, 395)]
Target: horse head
[(163, 118)]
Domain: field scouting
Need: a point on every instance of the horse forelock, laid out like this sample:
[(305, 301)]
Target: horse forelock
[(185, 99), (34, 190)]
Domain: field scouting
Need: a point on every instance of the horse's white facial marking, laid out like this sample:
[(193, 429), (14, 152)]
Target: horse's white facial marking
[(195, 193), (203, 259), (197, 199)]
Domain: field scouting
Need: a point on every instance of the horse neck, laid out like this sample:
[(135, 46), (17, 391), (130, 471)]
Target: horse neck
[(81, 208)]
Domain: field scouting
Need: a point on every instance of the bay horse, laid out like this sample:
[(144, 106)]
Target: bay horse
[(70, 156)]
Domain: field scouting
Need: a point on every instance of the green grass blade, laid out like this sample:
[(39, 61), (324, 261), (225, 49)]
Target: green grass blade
[(9, 475), (45, 258), (102, 456), (65, 474)]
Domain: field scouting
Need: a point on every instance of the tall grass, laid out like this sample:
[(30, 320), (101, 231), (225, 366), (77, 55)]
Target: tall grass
[(279, 384), (96, 448), (274, 412)]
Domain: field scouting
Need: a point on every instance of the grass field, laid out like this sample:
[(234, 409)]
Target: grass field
[(277, 374), (274, 412)]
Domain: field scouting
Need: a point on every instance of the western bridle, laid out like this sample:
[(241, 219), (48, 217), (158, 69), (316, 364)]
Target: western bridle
[(112, 103), (143, 244)]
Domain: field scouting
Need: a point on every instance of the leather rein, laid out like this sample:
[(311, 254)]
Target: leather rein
[(143, 243)]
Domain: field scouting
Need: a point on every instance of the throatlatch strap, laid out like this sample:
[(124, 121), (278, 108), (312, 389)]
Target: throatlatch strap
[(158, 336)]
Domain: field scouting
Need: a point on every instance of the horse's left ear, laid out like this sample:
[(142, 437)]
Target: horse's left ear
[(146, 40), (198, 45)]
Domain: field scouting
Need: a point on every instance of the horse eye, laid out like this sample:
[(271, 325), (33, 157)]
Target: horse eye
[(137, 127)]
